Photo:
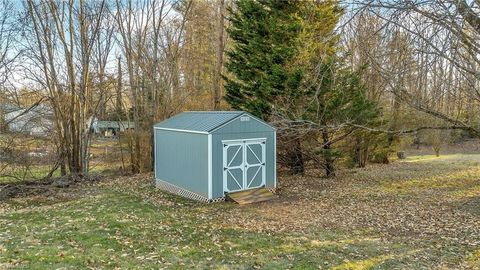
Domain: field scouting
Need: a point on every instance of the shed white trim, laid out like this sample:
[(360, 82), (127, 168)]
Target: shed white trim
[(210, 168), (240, 115), (154, 153), (275, 159), (261, 121), (182, 130), (238, 140)]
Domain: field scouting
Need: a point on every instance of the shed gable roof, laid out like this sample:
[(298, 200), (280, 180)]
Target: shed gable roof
[(199, 121)]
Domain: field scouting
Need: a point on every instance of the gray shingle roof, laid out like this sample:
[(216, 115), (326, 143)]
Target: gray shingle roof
[(204, 121)]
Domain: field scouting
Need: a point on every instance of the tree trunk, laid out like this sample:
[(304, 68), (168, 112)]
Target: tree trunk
[(118, 96), (361, 152), (217, 84), (295, 157), (327, 147)]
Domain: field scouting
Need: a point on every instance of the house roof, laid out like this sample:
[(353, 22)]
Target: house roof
[(113, 124), (8, 107), (199, 121)]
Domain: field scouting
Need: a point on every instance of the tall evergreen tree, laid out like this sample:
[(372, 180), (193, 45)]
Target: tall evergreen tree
[(262, 74), (341, 100), (265, 41), (334, 95), (283, 59)]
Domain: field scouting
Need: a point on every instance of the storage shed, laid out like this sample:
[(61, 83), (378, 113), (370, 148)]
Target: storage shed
[(205, 155)]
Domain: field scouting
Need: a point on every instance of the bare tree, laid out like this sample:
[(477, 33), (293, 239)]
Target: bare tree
[(8, 53), (444, 40), (150, 37), (63, 42)]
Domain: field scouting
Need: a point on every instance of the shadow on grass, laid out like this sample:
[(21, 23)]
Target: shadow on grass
[(470, 204), (460, 177)]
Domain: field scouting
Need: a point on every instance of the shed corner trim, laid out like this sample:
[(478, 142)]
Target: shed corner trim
[(275, 159), (210, 164)]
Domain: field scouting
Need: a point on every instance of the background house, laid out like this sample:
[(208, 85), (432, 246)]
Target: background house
[(36, 121), (106, 128), (8, 108)]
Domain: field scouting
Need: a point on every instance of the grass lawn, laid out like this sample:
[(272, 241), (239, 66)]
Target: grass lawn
[(421, 213)]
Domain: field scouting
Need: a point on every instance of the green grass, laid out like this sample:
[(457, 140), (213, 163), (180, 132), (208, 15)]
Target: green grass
[(369, 219), (443, 158), (117, 230)]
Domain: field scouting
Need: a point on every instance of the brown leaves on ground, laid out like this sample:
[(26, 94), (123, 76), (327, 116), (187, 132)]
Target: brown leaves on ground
[(421, 212), (414, 199), (363, 200)]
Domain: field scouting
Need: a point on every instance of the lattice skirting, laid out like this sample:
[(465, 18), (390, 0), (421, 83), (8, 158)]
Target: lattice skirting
[(221, 199), (273, 190), (163, 185), (171, 188)]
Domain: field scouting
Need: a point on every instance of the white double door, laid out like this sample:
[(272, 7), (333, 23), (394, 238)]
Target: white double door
[(243, 164)]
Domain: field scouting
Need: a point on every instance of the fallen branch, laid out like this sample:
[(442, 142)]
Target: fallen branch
[(32, 187), (409, 131)]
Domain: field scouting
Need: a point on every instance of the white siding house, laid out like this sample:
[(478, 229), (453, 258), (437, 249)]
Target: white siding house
[(36, 121)]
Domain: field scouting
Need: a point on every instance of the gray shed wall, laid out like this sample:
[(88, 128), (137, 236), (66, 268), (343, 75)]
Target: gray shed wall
[(181, 159), (238, 130)]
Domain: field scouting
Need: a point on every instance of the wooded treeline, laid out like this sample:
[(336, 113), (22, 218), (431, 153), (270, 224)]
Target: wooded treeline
[(340, 80)]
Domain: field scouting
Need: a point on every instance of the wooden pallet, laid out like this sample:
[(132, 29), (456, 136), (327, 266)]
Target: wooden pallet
[(251, 196)]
